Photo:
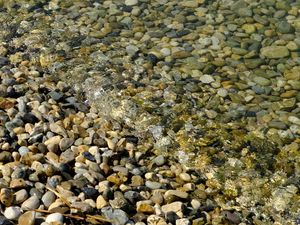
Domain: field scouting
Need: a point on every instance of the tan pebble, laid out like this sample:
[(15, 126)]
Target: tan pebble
[(17, 183), (28, 218), (145, 207), (101, 202), (6, 196)]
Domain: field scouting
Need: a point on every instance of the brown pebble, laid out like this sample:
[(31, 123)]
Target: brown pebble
[(27, 218)]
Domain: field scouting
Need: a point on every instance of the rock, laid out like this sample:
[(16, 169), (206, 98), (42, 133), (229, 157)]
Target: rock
[(117, 216), (101, 202), (170, 194), (145, 207), (262, 81), (21, 196), (153, 185), (31, 203), (222, 92), (207, 79), (56, 218), (183, 221), (55, 128), (172, 207), (159, 160), (131, 2), (65, 143), (275, 52), (48, 198), (5, 221), (131, 50), (12, 212), (28, 218), (185, 177), (156, 220)]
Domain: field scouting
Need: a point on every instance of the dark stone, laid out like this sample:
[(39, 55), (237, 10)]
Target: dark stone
[(55, 95), (90, 192), (182, 33), (132, 196), (88, 156), (5, 157), (131, 138), (126, 8), (152, 59), (54, 181), (3, 61), (30, 118), (172, 217), (36, 138), (4, 221)]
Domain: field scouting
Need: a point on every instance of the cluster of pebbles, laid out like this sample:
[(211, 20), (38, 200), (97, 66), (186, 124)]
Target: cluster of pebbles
[(150, 112)]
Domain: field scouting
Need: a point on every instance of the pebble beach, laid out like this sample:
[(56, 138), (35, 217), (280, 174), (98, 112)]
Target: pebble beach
[(146, 112)]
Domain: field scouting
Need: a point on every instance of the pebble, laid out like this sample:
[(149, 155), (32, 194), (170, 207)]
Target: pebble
[(28, 218), (159, 160), (56, 218), (117, 216), (12, 212), (153, 185), (131, 2), (31, 203), (183, 221), (21, 196), (48, 198), (172, 207), (206, 79), (275, 52)]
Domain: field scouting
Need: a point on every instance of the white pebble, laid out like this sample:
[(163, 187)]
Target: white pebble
[(207, 79), (222, 92), (13, 212), (131, 2), (55, 217)]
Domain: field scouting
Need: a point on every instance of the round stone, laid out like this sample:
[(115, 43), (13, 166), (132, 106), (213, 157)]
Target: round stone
[(55, 218), (222, 92), (12, 212)]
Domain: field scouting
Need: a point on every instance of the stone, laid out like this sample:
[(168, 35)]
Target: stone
[(145, 207), (183, 221), (207, 79), (275, 52), (48, 198), (156, 220), (31, 203), (172, 207), (262, 81), (28, 218), (153, 185), (12, 212), (132, 50), (101, 202), (56, 218), (131, 2), (65, 143), (170, 194), (117, 216), (159, 160), (222, 92), (21, 196)]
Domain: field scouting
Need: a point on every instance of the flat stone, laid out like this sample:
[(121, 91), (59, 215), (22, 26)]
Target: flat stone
[(31, 203), (117, 216), (21, 196), (172, 207), (153, 185), (275, 52), (262, 81), (175, 193)]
